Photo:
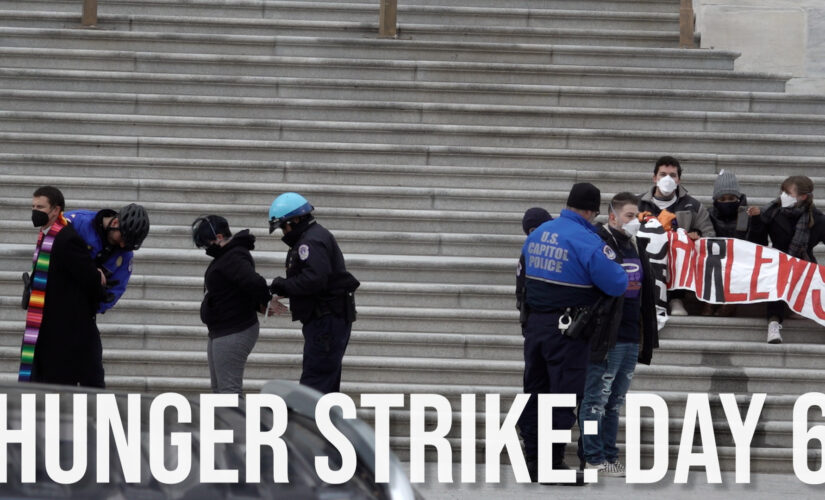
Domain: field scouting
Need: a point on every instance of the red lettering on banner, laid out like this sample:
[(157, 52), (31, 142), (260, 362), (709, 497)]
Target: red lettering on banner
[(757, 266), (816, 296), (791, 271), (806, 285), (691, 277), (700, 269), (688, 248), (729, 296)]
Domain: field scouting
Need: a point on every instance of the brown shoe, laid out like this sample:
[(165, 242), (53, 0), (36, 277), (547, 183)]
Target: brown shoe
[(726, 311)]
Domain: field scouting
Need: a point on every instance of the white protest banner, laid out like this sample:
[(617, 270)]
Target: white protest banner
[(729, 270)]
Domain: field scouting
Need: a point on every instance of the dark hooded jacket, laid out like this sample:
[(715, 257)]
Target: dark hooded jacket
[(648, 326), (234, 292)]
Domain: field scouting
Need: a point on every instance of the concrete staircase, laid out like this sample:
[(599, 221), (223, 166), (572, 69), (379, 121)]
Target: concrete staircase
[(421, 154)]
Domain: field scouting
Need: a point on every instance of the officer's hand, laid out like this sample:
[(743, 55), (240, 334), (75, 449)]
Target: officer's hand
[(693, 235), (278, 286), (102, 278)]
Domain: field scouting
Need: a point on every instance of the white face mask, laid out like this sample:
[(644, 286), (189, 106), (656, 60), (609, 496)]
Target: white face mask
[(632, 227), (787, 200), (666, 185)]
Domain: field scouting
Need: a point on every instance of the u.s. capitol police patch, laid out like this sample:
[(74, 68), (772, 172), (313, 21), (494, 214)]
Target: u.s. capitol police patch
[(609, 253), (303, 252)]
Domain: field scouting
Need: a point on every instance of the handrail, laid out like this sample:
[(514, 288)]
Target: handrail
[(388, 19), (686, 25), (89, 17)]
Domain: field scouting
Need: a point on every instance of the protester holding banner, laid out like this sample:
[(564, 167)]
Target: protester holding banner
[(732, 218), (567, 267), (608, 380), (533, 218), (668, 195), (795, 226)]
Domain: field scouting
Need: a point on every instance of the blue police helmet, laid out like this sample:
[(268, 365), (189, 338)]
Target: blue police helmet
[(285, 207)]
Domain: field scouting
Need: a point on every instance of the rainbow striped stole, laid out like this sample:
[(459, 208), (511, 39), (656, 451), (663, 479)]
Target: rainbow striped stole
[(37, 301)]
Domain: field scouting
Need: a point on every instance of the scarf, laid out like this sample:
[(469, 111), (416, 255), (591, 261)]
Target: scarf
[(801, 234), (37, 301)]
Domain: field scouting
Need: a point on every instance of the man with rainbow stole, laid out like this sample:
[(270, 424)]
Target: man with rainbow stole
[(61, 344)]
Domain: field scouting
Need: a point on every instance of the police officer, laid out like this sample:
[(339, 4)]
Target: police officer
[(319, 288), (111, 238), (567, 265), (533, 218)]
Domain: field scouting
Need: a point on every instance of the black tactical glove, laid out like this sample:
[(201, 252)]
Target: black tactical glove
[(278, 286)]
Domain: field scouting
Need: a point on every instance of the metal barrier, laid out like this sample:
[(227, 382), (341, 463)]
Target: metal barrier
[(89, 17), (388, 19), (687, 23)]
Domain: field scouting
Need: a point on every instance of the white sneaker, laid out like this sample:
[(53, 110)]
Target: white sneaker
[(615, 469), (677, 308), (774, 337), (599, 467)]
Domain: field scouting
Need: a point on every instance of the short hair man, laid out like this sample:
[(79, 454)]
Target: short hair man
[(668, 194), (61, 344), (567, 266), (608, 378)]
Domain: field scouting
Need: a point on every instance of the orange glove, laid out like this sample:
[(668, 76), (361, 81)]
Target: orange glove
[(666, 219)]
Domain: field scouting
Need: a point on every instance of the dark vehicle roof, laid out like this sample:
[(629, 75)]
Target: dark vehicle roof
[(302, 437)]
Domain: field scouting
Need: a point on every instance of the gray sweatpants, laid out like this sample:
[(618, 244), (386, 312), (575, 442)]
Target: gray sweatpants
[(227, 359)]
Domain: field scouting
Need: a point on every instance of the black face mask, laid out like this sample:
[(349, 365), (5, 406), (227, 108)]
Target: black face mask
[(728, 209), (213, 250), (39, 218)]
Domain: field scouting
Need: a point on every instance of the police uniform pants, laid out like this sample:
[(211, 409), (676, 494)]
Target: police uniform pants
[(325, 341), (553, 364)]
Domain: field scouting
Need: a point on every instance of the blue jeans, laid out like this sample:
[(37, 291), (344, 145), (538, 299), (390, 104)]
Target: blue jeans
[(606, 385)]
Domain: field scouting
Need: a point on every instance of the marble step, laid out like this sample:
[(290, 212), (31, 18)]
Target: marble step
[(361, 48), (377, 69), (117, 128), (543, 16), (516, 94), (27, 101)]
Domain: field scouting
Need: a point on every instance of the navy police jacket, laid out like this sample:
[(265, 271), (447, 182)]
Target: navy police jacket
[(317, 281), (568, 265), (119, 263)]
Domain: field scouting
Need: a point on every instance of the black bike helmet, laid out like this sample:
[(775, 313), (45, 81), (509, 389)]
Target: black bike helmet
[(133, 222)]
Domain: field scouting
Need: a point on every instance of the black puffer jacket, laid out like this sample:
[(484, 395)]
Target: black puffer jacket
[(234, 291), (780, 226)]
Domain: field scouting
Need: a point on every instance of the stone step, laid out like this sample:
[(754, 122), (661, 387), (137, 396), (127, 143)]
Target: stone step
[(115, 128), (248, 216), (545, 16), (252, 197), (436, 371), (393, 112), (361, 242), (366, 29), (398, 268), (360, 48), (372, 69), (163, 149), (344, 174), (516, 94), (257, 8)]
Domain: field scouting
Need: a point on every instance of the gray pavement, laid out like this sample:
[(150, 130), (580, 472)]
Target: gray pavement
[(762, 487)]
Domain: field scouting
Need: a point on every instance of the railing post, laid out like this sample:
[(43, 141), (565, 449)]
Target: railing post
[(89, 13), (686, 25), (388, 19)]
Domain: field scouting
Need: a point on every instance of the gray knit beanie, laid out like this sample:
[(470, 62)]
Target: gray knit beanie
[(726, 183)]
